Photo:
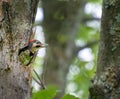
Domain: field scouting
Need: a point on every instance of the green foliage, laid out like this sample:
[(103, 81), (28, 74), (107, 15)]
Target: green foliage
[(82, 78), (87, 33), (95, 1), (48, 93), (68, 96)]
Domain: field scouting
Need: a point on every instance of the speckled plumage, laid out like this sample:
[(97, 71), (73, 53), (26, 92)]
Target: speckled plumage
[(25, 57), (28, 53)]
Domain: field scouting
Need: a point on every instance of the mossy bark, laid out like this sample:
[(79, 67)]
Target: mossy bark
[(16, 21), (106, 84)]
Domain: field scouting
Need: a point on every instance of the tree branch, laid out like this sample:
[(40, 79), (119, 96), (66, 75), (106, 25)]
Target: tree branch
[(86, 19), (87, 45), (40, 82)]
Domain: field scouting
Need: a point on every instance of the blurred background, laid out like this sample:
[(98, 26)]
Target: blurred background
[(71, 29)]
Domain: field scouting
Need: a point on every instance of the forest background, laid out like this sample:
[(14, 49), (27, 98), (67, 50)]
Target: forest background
[(71, 30)]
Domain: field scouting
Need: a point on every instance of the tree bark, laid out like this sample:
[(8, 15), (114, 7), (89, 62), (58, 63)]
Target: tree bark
[(61, 23), (106, 84), (16, 21)]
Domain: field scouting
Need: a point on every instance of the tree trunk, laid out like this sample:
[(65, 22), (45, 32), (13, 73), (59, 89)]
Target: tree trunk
[(61, 23), (106, 84), (17, 17)]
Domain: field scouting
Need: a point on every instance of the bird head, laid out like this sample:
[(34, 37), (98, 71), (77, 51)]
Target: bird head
[(35, 45)]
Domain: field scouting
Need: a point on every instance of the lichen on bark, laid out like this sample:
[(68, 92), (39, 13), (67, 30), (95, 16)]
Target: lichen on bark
[(107, 79), (15, 30)]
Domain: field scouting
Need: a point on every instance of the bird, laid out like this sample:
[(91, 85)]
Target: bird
[(28, 53)]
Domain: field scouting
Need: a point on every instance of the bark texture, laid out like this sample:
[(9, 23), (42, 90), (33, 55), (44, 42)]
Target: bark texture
[(106, 84), (16, 21), (61, 23)]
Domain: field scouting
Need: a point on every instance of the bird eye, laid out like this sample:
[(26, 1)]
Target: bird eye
[(38, 43), (37, 46)]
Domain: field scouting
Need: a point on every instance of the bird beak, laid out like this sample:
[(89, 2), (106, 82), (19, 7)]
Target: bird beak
[(44, 45)]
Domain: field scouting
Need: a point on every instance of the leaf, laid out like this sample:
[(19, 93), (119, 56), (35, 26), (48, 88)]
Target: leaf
[(48, 93), (95, 1), (68, 96)]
